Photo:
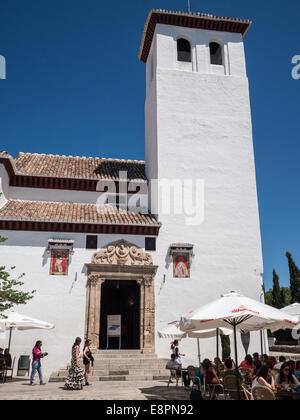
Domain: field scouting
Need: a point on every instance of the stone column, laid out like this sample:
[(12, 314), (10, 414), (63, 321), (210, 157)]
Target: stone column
[(140, 283), (93, 309), (147, 314)]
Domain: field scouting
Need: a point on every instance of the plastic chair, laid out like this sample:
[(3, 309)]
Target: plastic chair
[(11, 370), (230, 387), (247, 393), (262, 393), (23, 365), (2, 370), (214, 391)]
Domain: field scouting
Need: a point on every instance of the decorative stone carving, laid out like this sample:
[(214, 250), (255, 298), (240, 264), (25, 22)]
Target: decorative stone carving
[(122, 253), (94, 279), (148, 280)]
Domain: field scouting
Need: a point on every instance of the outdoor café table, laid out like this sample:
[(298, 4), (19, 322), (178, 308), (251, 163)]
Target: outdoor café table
[(288, 395)]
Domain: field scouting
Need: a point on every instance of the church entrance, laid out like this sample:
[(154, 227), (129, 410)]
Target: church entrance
[(120, 298), (121, 284)]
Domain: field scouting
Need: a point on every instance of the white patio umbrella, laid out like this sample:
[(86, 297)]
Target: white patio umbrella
[(174, 332), (15, 321), (239, 312), (293, 309)]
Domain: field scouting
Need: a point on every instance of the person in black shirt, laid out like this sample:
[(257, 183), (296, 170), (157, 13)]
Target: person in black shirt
[(8, 359), (88, 360)]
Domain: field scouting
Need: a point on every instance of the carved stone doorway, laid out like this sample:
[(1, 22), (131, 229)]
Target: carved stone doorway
[(122, 261)]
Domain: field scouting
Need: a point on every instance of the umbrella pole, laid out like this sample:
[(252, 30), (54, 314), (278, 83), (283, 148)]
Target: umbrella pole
[(218, 370), (9, 343), (261, 342), (236, 361), (199, 355)]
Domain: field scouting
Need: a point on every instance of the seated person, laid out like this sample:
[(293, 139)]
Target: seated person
[(211, 377), (263, 377), (257, 366), (199, 374), (174, 365), (230, 370), (7, 358), (2, 359), (282, 359), (248, 364), (219, 365), (286, 377), (273, 362), (297, 371), (265, 359), (255, 357), (292, 366)]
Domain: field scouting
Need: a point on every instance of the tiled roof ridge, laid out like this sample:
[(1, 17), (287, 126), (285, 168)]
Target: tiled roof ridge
[(73, 167), (80, 157), (199, 14), (122, 216)]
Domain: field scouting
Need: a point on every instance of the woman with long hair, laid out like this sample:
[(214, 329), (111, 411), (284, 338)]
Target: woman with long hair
[(175, 349), (286, 377), (37, 355), (75, 379), (87, 360), (264, 378)]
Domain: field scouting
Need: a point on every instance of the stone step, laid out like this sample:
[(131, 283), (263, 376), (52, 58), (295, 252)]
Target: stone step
[(119, 378), (124, 356), (127, 364), (64, 373), (116, 352)]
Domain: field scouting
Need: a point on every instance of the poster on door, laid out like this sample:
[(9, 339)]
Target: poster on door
[(114, 325)]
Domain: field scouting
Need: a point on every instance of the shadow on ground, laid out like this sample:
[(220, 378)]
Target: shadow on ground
[(166, 393)]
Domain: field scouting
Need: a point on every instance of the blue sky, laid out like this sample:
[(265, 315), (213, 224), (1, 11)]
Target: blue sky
[(75, 86)]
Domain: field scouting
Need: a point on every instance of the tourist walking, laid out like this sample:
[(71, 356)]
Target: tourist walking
[(175, 350), (37, 355), (75, 379), (88, 360)]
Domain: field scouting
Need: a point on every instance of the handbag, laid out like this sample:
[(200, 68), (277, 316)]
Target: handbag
[(196, 395)]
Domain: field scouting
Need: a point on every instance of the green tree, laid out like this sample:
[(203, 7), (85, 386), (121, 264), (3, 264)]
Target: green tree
[(269, 297), (10, 295), (294, 279), (276, 292), (226, 350)]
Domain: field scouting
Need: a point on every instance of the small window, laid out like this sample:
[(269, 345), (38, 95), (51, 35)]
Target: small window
[(150, 244), (216, 54), (184, 50), (91, 242)]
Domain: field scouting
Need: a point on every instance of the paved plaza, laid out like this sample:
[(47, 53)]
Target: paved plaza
[(20, 389)]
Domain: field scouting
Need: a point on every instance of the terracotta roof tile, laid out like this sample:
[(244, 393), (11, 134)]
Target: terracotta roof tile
[(78, 167), (72, 213)]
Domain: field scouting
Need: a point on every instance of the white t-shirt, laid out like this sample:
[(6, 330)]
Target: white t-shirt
[(174, 364)]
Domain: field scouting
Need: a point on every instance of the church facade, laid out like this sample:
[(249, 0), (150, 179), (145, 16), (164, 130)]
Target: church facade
[(107, 242)]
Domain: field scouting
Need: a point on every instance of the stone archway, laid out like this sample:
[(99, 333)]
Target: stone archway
[(122, 260)]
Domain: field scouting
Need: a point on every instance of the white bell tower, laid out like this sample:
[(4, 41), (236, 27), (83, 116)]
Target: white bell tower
[(198, 127)]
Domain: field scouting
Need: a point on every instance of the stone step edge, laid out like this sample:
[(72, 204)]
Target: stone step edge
[(124, 378)]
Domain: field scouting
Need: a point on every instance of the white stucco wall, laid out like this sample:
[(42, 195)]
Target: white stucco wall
[(202, 128), (4, 185), (60, 300)]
